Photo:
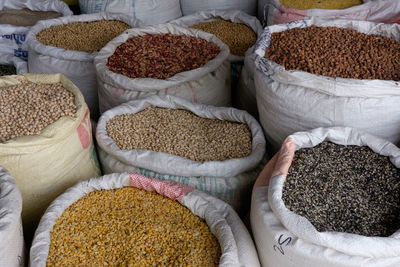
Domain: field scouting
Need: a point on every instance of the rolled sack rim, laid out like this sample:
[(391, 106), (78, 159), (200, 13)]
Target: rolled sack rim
[(354, 244), (331, 86)]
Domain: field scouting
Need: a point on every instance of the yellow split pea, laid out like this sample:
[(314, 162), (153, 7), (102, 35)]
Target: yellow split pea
[(323, 4), (131, 227)]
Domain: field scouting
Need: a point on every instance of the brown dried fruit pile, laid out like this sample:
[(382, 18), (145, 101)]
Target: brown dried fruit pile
[(182, 133), (131, 227), (336, 52), (161, 56), (27, 108), (85, 36)]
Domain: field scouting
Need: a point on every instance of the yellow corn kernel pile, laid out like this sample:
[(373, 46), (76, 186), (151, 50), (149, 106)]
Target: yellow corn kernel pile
[(131, 227)]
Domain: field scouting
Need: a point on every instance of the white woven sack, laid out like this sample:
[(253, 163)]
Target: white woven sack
[(387, 11), (209, 84), (245, 95), (44, 165), (150, 12), (8, 59), (75, 65), (13, 37), (236, 16), (286, 239), (12, 246), (236, 244), (292, 101), (229, 180), (192, 6)]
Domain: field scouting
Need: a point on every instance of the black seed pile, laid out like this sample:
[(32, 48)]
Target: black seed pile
[(348, 189), (7, 70)]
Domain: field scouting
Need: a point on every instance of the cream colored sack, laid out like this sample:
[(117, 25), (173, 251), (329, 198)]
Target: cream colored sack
[(45, 165)]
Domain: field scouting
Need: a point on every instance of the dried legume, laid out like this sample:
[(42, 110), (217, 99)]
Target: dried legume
[(25, 17), (7, 70), (87, 36), (161, 56), (182, 133), (131, 227), (238, 36), (336, 52), (27, 108), (345, 189), (324, 4)]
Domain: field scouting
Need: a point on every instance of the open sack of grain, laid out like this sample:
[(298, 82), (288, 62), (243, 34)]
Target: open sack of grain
[(68, 45), (239, 31), (45, 140), (17, 17), (150, 12), (212, 149), (235, 28), (283, 11), (12, 246), (330, 197), (165, 59), (323, 73), (125, 219)]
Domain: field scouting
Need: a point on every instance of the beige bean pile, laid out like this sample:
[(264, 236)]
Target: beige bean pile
[(27, 108), (239, 37), (131, 227), (182, 133), (87, 36)]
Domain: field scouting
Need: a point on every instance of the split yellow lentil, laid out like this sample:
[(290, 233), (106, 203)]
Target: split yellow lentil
[(85, 36), (238, 36), (131, 227), (182, 133), (323, 4)]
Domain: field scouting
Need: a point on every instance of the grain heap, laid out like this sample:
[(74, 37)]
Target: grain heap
[(25, 17), (88, 36), (27, 108), (129, 226), (182, 133), (238, 36), (345, 189), (324, 4), (161, 56), (336, 52), (7, 70)]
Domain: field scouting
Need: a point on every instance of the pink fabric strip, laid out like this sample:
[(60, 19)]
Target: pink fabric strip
[(170, 189)]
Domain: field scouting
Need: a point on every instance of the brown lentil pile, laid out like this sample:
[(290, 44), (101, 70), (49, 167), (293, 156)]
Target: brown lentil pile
[(345, 189), (324, 4), (87, 36), (238, 36), (182, 133), (25, 17), (336, 52), (27, 108), (161, 56), (7, 70), (131, 227)]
